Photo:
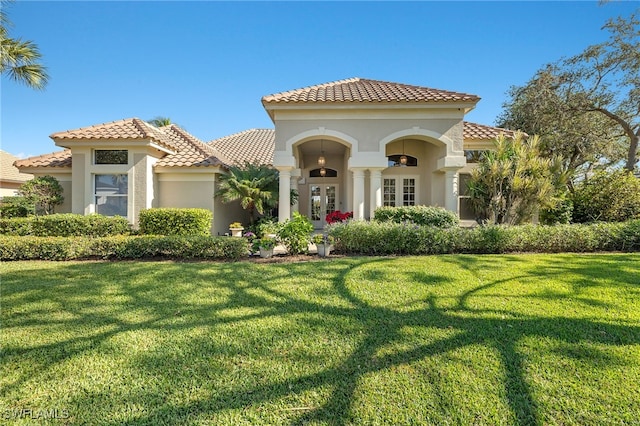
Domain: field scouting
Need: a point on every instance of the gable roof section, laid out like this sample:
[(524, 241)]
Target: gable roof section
[(129, 128), (191, 151), (480, 132), (249, 146), (253, 146), (57, 160), (186, 149), (361, 90), (9, 172)]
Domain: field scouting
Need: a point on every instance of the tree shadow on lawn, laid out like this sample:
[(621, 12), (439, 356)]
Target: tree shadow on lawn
[(253, 292)]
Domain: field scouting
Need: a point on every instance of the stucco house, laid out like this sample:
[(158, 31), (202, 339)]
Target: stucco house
[(10, 176), (349, 145)]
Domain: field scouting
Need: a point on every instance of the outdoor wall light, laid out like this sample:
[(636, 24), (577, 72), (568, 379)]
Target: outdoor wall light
[(403, 158), (321, 160)]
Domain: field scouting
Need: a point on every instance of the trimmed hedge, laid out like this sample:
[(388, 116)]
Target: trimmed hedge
[(122, 247), (66, 225), (373, 238), (174, 221), (420, 215)]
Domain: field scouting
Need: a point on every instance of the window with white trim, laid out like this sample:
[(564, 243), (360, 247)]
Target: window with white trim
[(399, 191), (408, 192), (111, 194)]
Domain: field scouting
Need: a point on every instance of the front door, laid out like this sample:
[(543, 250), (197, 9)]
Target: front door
[(323, 200)]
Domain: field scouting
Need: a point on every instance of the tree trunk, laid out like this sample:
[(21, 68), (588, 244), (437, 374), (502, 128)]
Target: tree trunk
[(633, 149)]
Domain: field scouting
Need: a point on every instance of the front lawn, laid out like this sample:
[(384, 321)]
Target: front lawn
[(460, 339)]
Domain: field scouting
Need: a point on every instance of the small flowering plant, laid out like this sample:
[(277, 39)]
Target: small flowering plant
[(235, 225), (265, 243), (338, 216), (322, 239)]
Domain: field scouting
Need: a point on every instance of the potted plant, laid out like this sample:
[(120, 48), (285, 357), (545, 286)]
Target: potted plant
[(236, 229), (265, 246), (323, 244)]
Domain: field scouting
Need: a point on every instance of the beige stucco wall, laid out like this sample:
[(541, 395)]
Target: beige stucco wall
[(370, 135), (79, 181), (196, 190), (369, 128), (139, 171), (142, 194)]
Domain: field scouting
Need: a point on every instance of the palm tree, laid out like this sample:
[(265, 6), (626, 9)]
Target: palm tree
[(161, 121), (254, 185), (19, 60)]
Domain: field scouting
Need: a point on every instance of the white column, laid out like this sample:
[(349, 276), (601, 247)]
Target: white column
[(375, 187), (358, 193), (284, 200), (451, 190)]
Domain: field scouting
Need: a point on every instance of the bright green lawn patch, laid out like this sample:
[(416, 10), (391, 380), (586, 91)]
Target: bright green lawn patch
[(527, 339)]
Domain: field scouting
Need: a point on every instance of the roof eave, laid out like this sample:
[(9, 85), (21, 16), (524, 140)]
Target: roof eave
[(42, 169), (101, 143), (189, 169), (467, 105)]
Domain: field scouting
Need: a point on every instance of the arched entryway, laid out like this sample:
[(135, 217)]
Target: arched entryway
[(321, 185)]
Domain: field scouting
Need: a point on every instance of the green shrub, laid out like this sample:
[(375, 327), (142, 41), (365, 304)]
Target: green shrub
[(374, 238), (44, 192), (15, 226), (561, 213), (489, 239), (66, 225), (295, 234), (420, 215), (607, 197), (121, 247), (387, 238), (172, 221), (266, 225), (16, 207), (43, 248)]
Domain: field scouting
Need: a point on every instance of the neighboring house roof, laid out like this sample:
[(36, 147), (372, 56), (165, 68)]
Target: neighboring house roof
[(129, 128), (59, 159), (249, 146), (361, 90), (190, 151), (474, 131), (9, 172)]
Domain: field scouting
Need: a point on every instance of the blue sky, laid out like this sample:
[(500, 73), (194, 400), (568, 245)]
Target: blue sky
[(207, 64)]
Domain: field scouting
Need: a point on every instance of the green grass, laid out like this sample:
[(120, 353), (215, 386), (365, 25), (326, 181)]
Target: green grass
[(521, 339)]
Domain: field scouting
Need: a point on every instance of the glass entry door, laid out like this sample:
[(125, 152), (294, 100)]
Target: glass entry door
[(323, 201)]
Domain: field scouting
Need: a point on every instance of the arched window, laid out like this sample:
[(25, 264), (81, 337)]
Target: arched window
[(328, 173), (394, 161)]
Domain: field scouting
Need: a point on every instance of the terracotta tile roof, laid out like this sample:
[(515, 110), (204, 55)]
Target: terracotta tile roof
[(59, 159), (367, 91), (191, 151), (474, 131), (188, 151), (258, 144), (129, 128), (252, 146), (9, 172)]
